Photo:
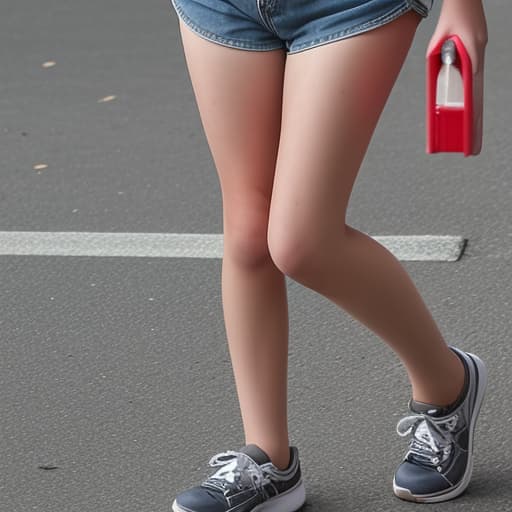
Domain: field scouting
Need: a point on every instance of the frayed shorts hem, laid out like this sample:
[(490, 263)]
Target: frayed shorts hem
[(405, 6), (344, 34), (214, 38)]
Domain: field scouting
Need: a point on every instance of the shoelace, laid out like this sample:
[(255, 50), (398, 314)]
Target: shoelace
[(238, 472), (432, 439)]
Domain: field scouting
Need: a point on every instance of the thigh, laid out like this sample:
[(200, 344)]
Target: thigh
[(238, 94), (333, 95)]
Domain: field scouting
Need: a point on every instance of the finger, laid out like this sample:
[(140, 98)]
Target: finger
[(433, 42)]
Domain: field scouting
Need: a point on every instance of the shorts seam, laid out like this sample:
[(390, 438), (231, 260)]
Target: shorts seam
[(271, 21), (363, 27), (211, 36)]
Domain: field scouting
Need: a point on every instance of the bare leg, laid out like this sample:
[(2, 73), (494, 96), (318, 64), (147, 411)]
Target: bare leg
[(239, 95), (333, 97)]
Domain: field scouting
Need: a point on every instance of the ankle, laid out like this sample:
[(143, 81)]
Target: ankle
[(281, 461), (445, 389), (278, 452)]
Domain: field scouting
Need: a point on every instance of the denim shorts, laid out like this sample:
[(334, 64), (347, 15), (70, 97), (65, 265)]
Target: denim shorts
[(294, 25)]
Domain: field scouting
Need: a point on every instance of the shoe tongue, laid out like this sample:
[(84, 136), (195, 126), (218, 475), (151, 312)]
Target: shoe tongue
[(255, 453), (424, 408)]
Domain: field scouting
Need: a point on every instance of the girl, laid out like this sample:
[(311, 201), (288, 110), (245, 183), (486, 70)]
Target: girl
[(289, 94)]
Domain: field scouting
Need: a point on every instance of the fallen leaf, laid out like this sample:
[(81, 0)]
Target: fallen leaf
[(106, 98)]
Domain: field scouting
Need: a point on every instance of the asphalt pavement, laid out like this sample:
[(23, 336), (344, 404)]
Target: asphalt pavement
[(116, 386)]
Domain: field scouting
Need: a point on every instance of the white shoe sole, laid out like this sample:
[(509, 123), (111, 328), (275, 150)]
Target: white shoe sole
[(289, 501)]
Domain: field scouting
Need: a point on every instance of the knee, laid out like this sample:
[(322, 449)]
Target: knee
[(294, 252), (302, 252), (245, 241)]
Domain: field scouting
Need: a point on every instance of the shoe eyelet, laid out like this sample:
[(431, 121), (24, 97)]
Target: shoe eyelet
[(439, 468)]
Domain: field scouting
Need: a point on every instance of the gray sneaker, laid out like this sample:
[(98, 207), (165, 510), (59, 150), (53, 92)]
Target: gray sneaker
[(439, 462), (246, 481)]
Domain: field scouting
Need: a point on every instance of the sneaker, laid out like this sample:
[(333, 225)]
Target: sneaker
[(439, 462), (247, 481)]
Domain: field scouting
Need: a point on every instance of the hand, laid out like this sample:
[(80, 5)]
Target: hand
[(466, 19)]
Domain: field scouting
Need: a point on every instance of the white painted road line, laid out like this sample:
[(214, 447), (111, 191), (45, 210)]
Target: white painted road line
[(192, 245)]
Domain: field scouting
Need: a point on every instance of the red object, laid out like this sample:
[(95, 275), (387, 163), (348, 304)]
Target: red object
[(449, 129)]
